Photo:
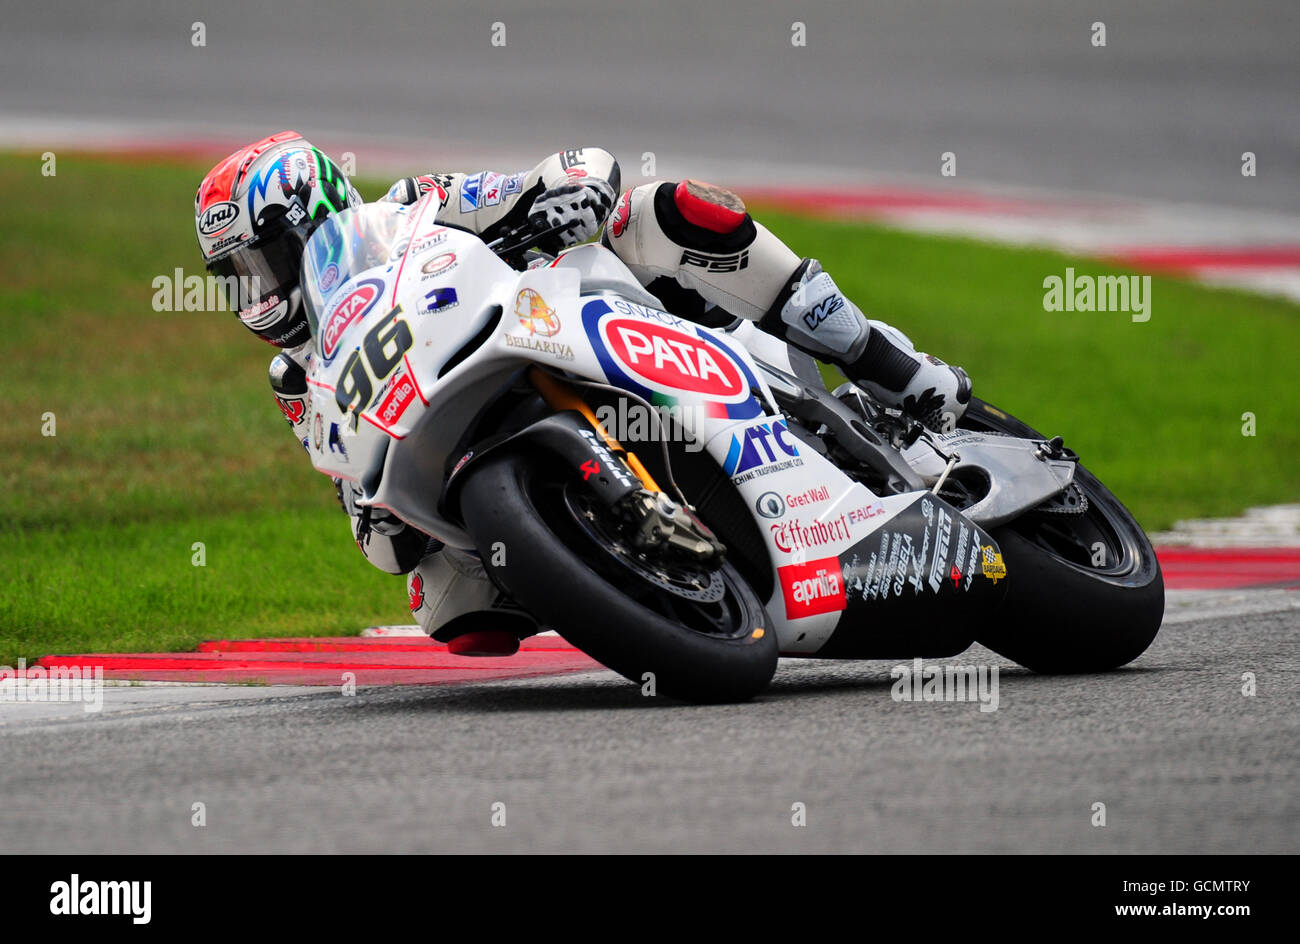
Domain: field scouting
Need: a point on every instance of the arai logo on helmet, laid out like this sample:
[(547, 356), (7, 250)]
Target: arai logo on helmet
[(672, 360), (217, 217), (347, 313)]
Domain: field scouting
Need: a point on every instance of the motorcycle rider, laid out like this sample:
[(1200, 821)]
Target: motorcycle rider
[(691, 244)]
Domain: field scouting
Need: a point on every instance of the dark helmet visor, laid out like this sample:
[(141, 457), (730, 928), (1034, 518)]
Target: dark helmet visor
[(266, 266)]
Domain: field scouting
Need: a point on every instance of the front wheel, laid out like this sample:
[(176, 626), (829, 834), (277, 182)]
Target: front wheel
[(1084, 593), (701, 635)]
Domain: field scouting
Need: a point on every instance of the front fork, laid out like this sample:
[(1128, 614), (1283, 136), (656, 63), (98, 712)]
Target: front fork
[(657, 520)]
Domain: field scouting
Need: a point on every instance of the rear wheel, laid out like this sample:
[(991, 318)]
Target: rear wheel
[(702, 634), (1084, 593)]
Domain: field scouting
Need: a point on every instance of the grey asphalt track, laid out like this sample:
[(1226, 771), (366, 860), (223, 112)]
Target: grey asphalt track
[(1181, 759), (1014, 88)]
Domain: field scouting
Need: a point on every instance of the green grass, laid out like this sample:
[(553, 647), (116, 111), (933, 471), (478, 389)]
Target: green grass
[(167, 434)]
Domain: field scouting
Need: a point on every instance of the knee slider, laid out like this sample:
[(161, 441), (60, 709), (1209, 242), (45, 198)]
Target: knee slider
[(703, 217), (709, 207)]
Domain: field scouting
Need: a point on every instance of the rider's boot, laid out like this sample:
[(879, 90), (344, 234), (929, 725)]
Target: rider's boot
[(696, 247)]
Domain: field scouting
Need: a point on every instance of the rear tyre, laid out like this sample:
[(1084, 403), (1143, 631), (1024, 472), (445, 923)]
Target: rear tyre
[(1084, 590)]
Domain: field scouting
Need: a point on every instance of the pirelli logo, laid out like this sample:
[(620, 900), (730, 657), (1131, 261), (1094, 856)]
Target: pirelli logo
[(710, 263)]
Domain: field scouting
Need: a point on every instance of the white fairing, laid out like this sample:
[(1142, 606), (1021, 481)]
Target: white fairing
[(421, 292)]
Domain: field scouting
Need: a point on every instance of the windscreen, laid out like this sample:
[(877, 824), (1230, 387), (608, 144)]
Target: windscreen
[(343, 246)]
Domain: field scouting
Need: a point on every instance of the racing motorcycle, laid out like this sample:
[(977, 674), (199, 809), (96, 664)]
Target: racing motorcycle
[(478, 393)]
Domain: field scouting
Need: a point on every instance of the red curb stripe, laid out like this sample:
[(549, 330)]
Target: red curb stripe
[(369, 644), (306, 661), (865, 201), (886, 201), (1190, 259), (334, 677), (1193, 568), (286, 661)]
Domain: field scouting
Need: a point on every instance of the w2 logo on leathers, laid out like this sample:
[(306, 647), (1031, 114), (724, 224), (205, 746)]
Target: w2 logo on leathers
[(823, 310)]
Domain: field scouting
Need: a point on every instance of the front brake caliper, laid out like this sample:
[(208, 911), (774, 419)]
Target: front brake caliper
[(661, 523)]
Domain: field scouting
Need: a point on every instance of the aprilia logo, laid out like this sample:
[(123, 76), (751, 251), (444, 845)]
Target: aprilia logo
[(710, 263), (813, 588), (399, 397)]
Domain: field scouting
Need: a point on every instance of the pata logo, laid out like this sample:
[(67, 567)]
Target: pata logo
[(670, 360)]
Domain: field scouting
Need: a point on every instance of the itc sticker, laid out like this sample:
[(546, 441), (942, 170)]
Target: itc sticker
[(440, 299), (812, 588), (761, 449), (469, 190)]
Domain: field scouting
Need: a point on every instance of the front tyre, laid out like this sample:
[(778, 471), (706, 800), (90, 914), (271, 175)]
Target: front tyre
[(703, 636), (1085, 592)]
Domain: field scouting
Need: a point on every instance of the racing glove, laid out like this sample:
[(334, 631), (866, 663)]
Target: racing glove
[(580, 209)]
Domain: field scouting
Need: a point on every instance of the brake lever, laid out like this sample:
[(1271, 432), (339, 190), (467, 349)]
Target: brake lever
[(526, 236)]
